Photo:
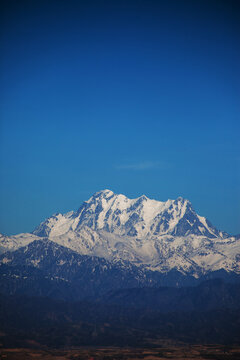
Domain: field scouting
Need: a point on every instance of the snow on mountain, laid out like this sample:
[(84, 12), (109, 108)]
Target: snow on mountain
[(160, 235), (12, 243), (141, 217), (46, 268)]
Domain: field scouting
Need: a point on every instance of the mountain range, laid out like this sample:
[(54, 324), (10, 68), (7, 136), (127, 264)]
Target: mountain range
[(154, 235), (120, 272), (205, 314)]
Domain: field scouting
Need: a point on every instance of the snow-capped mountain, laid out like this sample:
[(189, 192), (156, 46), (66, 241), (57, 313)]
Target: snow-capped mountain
[(16, 241), (159, 235), (141, 217)]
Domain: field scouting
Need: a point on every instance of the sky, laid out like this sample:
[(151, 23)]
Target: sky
[(140, 97)]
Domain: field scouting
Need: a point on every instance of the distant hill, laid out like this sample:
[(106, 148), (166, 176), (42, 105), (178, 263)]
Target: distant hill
[(38, 322)]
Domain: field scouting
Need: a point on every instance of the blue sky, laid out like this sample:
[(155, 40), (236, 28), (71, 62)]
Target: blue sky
[(141, 97)]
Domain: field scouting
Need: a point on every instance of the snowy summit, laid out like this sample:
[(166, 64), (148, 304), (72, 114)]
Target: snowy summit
[(159, 235)]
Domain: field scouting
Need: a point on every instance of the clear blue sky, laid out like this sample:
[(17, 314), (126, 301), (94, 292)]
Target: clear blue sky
[(141, 97)]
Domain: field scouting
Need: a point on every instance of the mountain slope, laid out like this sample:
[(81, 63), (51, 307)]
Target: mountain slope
[(141, 217), (12, 243), (48, 269), (44, 268), (162, 236)]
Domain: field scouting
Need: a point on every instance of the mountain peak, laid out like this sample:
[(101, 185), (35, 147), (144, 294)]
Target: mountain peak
[(162, 234), (181, 199), (106, 193), (140, 217), (143, 197)]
